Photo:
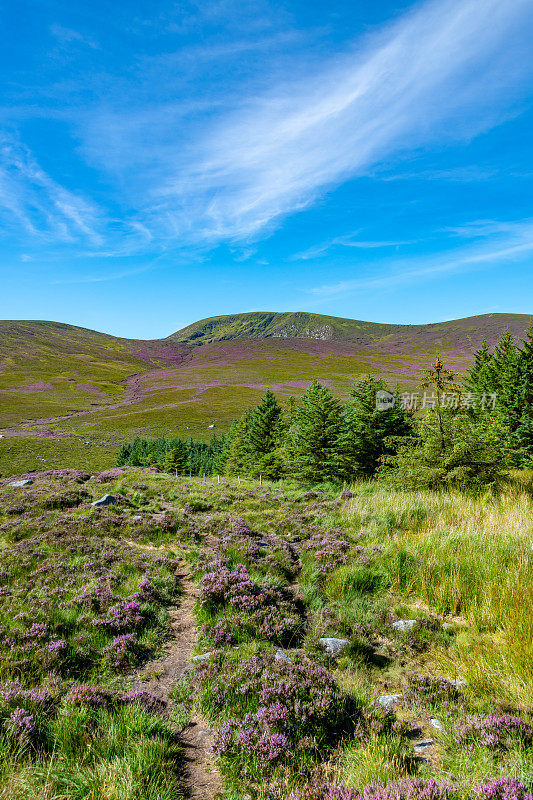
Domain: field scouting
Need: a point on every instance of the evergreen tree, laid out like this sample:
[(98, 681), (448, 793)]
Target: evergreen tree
[(368, 433), (480, 377), (455, 451), (313, 447), (264, 428), (176, 458), (238, 461)]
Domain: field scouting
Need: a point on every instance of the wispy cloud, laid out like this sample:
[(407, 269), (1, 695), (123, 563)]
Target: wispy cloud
[(31, 199), (346, 241), (67, 35), (501, 242), (445, 71)]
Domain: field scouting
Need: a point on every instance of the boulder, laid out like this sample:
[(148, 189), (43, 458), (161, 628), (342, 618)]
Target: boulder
[(201, 657), (437, 724), (421, 748), (333, 646), (459, 684), (26, 482), (403, 625), (106, 500), (388, 701), (281, 655)]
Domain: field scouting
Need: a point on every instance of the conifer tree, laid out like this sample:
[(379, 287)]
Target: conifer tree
[(176, 458), (313, 446), (368, 433), (264, 426), (238, 461)]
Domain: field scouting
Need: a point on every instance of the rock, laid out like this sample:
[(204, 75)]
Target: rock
[(459, 684), (388, 701), (137, 518), (404, 624), (333, 646), (281, 655), (202, 657), (421, 747), (437, 724), (210, 426), (106, 500), (26, 482), (262, 543), (446, 626)]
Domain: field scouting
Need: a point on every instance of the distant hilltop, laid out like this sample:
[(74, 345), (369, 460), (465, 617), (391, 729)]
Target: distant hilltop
[(304, 325)]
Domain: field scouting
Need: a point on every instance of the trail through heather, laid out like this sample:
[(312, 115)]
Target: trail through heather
[(201, 779)]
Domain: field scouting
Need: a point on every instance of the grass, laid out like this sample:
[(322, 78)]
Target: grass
[(277, 566), (172, 387), (469, 558)]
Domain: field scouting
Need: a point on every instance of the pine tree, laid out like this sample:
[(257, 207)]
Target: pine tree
[(176, 458), (313, 446), (237, 461), (368, 434), (264, 428), (480, 378)]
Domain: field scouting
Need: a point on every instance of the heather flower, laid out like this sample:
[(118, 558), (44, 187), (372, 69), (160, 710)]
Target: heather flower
[(503, 789), (493, 731), (21, 726)]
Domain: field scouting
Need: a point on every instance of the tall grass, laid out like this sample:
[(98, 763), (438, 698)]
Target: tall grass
[(471, 557)]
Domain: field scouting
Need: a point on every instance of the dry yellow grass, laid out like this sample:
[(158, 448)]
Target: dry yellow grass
[(466, 556)]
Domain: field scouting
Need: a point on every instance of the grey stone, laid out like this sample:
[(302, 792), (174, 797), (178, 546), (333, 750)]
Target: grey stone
[(437, 724), (136, 518), (25, 482), (281, 655), (459, 684), (446, 626), (388, 701), (106, 500), (333, 646), (421, 747), (404, 624), (202, 657)]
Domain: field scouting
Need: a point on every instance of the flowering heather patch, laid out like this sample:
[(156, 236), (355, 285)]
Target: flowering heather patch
[(503, 789), (428, 690), (411, 789), (330, 549), (273, 712), (239, 543), (495, 732), (260, 611), (72, 602)]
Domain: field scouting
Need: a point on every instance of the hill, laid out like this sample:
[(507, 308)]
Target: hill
[(71, 395), (304, 325)]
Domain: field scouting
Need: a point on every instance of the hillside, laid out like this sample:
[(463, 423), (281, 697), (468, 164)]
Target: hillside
[(303, 325), (71, 393)]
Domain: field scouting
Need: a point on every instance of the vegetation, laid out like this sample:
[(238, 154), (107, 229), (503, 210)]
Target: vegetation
[(361, 616)]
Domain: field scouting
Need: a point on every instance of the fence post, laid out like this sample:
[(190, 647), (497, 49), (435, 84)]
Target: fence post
[(204, 477), (260, 480), (218, 476)]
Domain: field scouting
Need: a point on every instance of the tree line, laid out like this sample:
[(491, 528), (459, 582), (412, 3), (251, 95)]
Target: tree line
[(467, 442)]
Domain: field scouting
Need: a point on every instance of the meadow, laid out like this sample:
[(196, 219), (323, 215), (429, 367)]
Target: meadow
[(348, 643), (68, 395)]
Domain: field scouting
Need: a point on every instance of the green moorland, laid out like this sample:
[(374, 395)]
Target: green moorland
[(70, 396), (430, 591)]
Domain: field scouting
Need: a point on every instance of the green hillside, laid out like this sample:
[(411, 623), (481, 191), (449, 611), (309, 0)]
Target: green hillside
[(69, 395)]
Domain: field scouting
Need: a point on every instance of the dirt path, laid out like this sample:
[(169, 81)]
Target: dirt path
[(201, 779)]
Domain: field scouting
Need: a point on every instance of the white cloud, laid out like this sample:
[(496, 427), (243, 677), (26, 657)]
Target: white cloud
[(446, 71), (67, 35), (31, 199), (499, 242)]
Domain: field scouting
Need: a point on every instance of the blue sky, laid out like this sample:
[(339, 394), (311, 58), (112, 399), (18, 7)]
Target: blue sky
[(164, 162)]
